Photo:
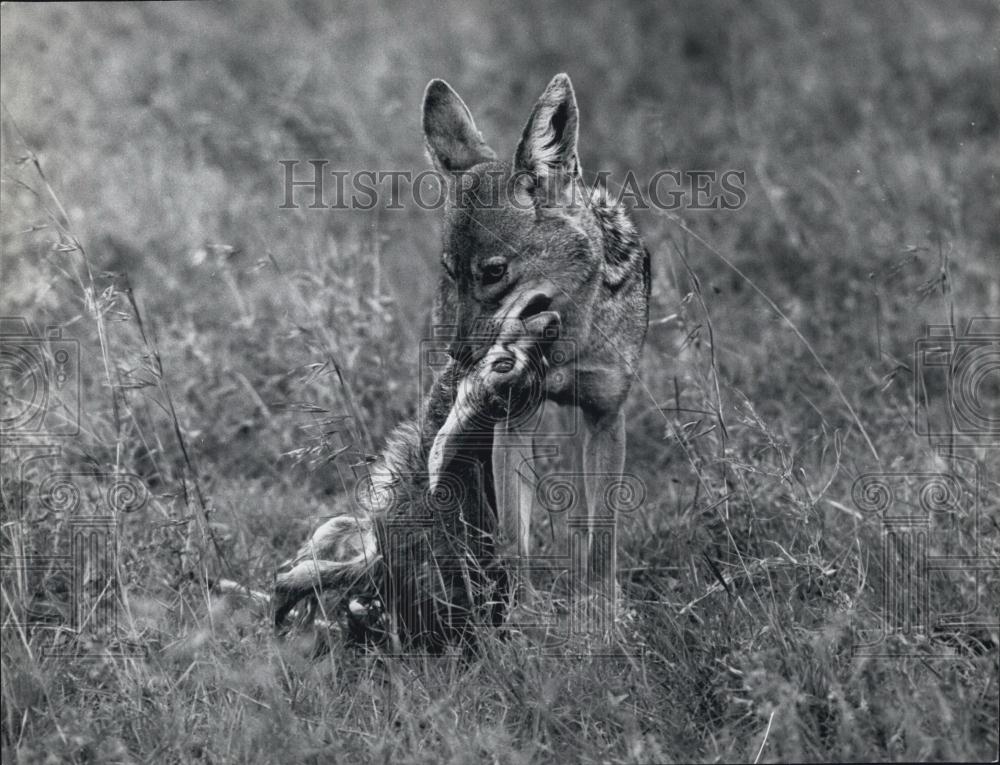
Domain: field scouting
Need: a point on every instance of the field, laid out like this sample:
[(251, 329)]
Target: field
[(238, 361)]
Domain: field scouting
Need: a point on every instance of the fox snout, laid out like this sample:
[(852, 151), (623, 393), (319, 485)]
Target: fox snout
[(509, 320)]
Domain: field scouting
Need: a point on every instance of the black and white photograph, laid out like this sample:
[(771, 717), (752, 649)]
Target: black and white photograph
[(500, 382)]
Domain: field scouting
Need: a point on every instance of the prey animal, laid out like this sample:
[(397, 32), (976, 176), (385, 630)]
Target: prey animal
[(525, 236), (418, 567)]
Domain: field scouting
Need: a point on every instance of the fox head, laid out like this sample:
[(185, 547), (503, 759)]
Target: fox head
[(519, 237)]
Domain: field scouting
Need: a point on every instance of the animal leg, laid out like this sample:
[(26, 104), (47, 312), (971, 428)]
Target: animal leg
[(603, 464), (514, 482)]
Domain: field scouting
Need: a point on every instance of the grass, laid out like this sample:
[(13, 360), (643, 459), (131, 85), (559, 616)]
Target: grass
[(224, 342)]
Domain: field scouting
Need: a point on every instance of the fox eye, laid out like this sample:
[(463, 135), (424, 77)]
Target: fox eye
[(494, 273)]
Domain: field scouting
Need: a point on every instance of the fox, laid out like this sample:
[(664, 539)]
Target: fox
[(526, 236)]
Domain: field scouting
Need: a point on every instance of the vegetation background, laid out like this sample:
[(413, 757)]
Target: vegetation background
[(213, 326)]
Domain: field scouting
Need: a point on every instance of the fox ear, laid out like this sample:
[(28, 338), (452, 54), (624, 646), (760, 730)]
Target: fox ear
[(453, 141), (547, 151)]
